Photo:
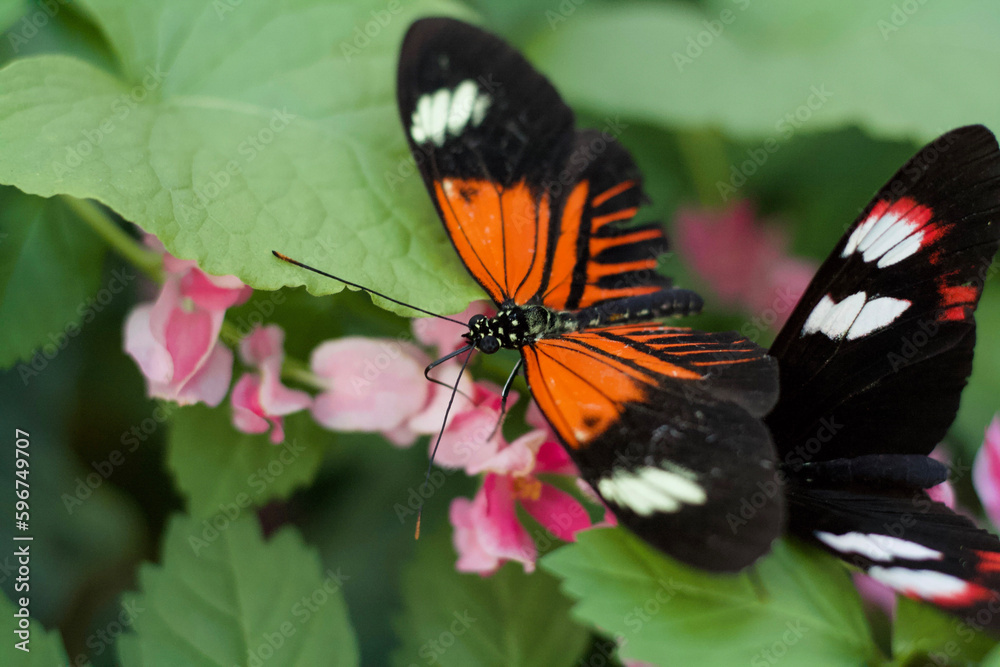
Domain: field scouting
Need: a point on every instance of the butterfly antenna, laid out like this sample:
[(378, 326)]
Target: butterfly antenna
[(427, 476), (434, 364), (286, 258)]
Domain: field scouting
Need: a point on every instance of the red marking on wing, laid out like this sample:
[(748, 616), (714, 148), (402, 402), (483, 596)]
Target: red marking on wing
[(958, 301)]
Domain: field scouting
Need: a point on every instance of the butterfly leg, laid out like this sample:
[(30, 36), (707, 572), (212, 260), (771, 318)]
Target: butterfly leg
[(503, 396)]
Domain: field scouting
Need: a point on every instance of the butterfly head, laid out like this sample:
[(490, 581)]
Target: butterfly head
[(511, 328)]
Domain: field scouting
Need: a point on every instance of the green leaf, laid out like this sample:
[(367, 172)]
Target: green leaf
[(45, 648), (47, 256), (223, 471), (754, 68), (237, 129), (992, 659), (228, 598), (795, 602), (923, 634), (510, 619)]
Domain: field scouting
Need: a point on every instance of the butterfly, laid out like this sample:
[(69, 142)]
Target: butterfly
[(665, 423), (872, 364)]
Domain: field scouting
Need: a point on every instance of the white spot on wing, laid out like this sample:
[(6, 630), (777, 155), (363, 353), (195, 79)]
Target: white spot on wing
[(927, 584), (882, 548), (447, 112), (876, 314), (648, 490), (888, 239), (854, 317)]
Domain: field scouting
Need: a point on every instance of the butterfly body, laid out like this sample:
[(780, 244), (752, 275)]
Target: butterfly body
[(515, 326)]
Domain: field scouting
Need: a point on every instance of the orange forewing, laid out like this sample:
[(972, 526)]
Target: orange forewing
[(503, 236), (500, 234)]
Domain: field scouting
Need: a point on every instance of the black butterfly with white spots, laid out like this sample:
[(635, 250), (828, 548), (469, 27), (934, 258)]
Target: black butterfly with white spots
[(873, 361)]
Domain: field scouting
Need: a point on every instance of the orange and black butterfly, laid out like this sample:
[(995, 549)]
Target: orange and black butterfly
[(663, 422)]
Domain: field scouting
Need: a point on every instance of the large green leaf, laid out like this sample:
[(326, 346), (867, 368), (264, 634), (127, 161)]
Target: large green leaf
[(47, 256), (794, 603), (43, 648), (235, 129), (898, 69), (228, 598), (226, 473), (509, 619)]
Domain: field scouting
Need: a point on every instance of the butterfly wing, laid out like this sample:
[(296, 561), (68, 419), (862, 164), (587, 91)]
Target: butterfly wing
[(905, 540), (536, 210), (880, 346), (664, 424), (873, 361)]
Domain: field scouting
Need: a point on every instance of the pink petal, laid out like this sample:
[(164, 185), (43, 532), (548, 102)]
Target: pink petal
[(552, 457), (467, 442), (559, 512), (445, 336), (152, 358), (187, 332), (275, 398), (465, 516), (986, 471), (247, 413), (431, 417), (208, 385), (517, 458), (501, 534), (263, 343), (374, 385), (213, 292), (211, 382)]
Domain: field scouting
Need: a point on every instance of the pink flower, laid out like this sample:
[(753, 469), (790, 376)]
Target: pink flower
[(743, 261), (374, 385), (259, 399), (986, 471), (487, 530), (174, 340)]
